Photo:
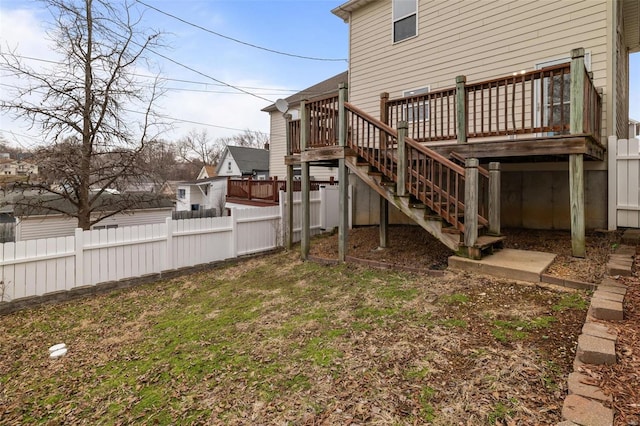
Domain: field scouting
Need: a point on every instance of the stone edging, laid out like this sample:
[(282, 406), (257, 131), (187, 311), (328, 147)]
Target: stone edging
[(584, 404)]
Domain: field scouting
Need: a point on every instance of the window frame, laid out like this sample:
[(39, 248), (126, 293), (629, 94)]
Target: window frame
[(395, 19), (410, 118)]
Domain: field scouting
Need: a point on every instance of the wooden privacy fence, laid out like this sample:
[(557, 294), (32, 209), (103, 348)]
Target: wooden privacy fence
[(37, 267), (624, 183)]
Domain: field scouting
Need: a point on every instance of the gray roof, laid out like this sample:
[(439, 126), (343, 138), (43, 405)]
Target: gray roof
[(325, 87), (248, 159)]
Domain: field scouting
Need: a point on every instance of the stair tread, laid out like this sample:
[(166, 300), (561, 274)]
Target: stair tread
[(487, 240)]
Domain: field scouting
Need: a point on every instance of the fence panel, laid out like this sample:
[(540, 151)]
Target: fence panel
[(627, 177), (258, 229), (37, 267)]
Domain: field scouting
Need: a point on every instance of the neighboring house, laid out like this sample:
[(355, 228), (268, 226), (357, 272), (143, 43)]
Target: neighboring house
[(634, 128), (35, 223), (207, 171), (11, 167), (201, 194), (239, 161), (536, 86), (277, 138)]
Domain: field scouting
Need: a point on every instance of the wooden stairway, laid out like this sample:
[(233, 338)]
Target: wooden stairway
[(419, 182)]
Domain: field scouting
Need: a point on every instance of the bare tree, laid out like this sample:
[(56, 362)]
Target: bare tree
[(198, 148), (248, 138), (84, 104)]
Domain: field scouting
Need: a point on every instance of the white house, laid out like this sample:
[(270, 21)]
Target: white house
[(240, 161), (209, 193)]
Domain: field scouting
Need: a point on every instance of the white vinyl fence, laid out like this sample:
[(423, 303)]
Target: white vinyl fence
[(624, 183), (37, 267)]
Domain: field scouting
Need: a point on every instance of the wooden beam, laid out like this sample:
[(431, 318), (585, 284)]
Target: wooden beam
[(471, 202), (576, 197), (401, 183), (325, 154), (494, 198), (384, 222), (461, 108), (343, 187), (305, 185)]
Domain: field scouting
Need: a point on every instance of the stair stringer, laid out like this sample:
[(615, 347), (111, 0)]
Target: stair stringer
[(431, 225)]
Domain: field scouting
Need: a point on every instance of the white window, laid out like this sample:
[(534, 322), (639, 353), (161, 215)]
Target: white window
[(98, 227), (182, 193), (417, 108), (229, 166), (405, 19)]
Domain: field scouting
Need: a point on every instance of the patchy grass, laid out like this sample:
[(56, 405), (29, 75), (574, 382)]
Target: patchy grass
[(273, 340)]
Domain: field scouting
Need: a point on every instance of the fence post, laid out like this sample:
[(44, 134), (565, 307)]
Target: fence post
[(576, 111), (343, 185), (289, 187), (384, 113), (283, 212), (494, 198), (401, 185), (612, 170), (79, 257), (249, 180), (169, 252), (470, 203), (461, 108), (323, 204), (234, 233)]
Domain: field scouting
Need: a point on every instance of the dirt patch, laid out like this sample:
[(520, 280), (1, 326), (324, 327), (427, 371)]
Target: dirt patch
[(413, 246)]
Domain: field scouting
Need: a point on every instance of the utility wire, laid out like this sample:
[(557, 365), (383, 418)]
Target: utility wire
[(311, 58)]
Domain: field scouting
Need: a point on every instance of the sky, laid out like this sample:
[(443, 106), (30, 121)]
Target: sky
[(305, 28), (298, 27)]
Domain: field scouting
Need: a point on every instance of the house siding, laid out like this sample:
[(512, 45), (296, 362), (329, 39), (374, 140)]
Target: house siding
[(31, 228), (223, 170), (481, 40), (278, 150)]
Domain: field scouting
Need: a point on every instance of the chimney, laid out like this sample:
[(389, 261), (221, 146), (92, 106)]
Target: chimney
[(266, 146)]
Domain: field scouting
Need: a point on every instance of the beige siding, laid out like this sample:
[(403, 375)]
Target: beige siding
[(278, 150), (481, 40)]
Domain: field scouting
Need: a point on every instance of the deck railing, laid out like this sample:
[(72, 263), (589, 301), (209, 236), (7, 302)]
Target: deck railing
[(265, 191), (433, 179), (535, 103)]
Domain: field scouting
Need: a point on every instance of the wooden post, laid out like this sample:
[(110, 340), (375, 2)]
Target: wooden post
[(289, 187), (576, 105), (384, 222), (343, 184), (471, 202), (494, 198), (576, 161), (249, 180), (461, 108), (305, 184), (401, 184), (384, 114), (576, 196)]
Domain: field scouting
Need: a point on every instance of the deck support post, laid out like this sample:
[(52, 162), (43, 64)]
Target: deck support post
[(305, 184), (343, 184), (401, 184), (470, 203), (576, 161), (461, 108), (494, 198), (384, 114), (384, 222), (576, 196), (289, 230)]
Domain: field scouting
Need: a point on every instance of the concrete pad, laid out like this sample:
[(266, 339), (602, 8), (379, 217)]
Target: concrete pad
[(522, 265), (599, 330), (577, 385), (586, 412), (596, 351)]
